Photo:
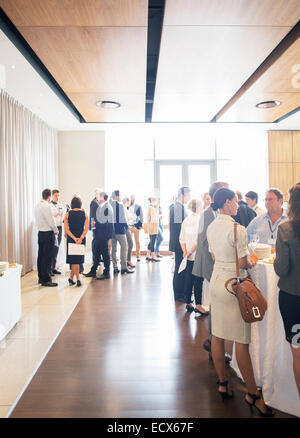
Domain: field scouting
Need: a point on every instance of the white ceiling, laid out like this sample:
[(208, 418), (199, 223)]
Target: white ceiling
[(28, 88)]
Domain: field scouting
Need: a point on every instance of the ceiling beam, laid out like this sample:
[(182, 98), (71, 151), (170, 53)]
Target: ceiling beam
[(20, 43), (279, 50), (156, 10)]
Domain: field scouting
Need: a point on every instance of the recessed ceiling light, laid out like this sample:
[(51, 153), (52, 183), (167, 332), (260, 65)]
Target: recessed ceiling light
[(108, 104), (268, 104), (13, 67)]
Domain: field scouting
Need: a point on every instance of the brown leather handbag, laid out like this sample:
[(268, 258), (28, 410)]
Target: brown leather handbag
[(253, 304)]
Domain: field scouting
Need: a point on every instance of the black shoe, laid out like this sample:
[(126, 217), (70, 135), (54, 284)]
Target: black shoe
[(52, 274), (79, 283), (56, 272), (130, 266), (224, 395), (126, 271), (189, 308), (155, 260), (103, 277), (90, 274), (71, 282), (269, 412), (49, 284), (138, 260), (148, 259), (116, 271)]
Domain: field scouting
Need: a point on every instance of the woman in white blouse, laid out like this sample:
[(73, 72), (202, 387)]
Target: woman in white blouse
[(188, 240), (227, 322)]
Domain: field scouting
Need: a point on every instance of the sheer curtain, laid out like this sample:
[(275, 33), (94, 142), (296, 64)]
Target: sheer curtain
[(28, 164)]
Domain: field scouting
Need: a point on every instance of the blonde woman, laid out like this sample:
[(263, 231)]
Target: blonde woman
[(151, 227)]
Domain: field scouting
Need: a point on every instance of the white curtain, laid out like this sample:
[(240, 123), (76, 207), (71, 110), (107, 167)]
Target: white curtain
[(28, 164)]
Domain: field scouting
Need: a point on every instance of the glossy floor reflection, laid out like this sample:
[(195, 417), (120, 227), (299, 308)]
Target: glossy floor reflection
[(128, 351), (44, 312)]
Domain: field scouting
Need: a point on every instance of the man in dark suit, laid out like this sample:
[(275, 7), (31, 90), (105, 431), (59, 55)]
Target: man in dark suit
[(245, 214), (177, 214), (92, 226)]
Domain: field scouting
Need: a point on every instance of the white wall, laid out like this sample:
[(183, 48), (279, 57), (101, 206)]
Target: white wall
[(81, 158)]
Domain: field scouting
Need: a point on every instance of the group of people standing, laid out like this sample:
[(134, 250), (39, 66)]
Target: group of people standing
[(209, 248)]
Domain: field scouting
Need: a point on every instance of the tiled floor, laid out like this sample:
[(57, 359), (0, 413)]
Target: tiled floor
[(44, 313)]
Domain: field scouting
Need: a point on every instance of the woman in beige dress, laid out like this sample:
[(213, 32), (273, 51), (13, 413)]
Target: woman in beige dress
[(227, 322)]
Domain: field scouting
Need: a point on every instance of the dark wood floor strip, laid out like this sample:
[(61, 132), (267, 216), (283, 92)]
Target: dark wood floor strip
[(128, 351)]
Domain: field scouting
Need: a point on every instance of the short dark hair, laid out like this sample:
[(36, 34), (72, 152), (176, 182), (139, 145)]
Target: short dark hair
[(220, 197), (278, 193), (216, 186), (252, 195), (115, 193), (76, 202), (183, 191), (55, 191), (46, 193)]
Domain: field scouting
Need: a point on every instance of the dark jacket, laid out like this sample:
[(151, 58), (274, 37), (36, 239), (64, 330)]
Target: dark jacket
[(93, 211), (177, 214), (287, 259), (104, 222), (119, 217), (245, 214)]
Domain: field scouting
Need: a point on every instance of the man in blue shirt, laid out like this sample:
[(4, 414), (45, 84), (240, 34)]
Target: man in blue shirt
[(266, 225)]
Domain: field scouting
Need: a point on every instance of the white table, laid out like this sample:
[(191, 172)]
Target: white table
[(270, 352), (10, 299)]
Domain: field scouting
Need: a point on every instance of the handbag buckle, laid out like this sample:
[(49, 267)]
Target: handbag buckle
[(256, 312)]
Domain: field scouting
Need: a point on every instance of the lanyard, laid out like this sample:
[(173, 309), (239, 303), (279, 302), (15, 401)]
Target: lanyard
[(271, 229)]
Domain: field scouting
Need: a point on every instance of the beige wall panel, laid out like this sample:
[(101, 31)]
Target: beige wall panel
[(76, 12), (81, 162), (281, 176), (280, 146), (296, 172), (296, 146)]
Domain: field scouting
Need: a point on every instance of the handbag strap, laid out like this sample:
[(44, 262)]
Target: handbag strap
[(237, 266)]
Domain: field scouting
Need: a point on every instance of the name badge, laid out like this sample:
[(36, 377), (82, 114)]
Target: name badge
[(271, 242)]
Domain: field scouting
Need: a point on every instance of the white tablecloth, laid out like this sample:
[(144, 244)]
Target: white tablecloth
[(10, 299), (270, 352)]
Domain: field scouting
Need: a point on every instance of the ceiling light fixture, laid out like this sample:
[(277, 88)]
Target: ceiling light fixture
[(268, 104), (108, 104)]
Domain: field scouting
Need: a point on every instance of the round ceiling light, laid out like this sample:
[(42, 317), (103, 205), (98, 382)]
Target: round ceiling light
[(268, 104), (108, 104)]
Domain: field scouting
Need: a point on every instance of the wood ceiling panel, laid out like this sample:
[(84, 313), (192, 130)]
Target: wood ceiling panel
[(76, 12), (232, 12), (132, 107), (202, 62), (89, 59), (279, 82), (92, 48)]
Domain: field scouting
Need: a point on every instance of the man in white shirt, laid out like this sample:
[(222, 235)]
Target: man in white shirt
[(47, 230), (251, 198), (58, 213)]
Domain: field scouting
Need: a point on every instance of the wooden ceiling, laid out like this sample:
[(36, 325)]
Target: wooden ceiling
[(209, 51)]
